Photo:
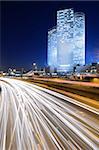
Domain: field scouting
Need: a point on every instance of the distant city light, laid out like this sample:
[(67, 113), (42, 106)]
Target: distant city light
[(34, 64)]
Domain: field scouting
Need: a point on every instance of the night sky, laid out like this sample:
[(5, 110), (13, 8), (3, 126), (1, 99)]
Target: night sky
[(24, 27)]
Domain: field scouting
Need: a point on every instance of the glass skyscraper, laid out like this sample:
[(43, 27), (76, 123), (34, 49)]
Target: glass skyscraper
[(66, 42), (79, 39), (52, 47), (65, 20)]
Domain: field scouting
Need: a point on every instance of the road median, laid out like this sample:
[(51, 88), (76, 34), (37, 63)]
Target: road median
[(91, 99)]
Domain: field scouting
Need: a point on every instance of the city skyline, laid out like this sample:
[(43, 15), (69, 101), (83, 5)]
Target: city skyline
[(24, 30), (49, 75)]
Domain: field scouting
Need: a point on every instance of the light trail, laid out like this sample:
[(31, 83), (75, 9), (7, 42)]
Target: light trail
[(35, 118)]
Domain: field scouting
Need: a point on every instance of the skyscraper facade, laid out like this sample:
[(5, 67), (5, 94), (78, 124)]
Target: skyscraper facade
[(52, 47), (69, 41), (79, 39), (65, 20)]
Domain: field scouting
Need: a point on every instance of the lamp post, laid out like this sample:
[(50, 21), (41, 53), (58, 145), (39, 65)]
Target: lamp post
[(34, 67)]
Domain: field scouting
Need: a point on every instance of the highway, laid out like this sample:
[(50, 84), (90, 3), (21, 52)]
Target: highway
[(59, 80), (35, 118)]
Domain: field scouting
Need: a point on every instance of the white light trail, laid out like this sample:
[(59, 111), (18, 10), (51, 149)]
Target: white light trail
[(33, 118)]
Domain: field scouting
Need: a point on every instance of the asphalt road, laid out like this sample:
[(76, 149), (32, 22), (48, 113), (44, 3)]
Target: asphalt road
[(35, 118), (89, 90)]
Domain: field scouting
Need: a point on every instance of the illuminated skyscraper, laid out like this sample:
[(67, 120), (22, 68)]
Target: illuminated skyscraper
[(65, 23), (79, 39), (52, 47), (66, 43)]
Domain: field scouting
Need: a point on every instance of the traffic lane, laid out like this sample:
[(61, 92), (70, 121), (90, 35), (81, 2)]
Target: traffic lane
[(45, 137), (17, 118), (76, 111), (67, 100), (96, 121), (83, 114), (64, 97), (36, 97), (41, 136), (77, 102)]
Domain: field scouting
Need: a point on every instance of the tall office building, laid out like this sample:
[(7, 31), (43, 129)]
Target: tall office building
[(65, 20), (79, 39), (69, 37), (52, 47)]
